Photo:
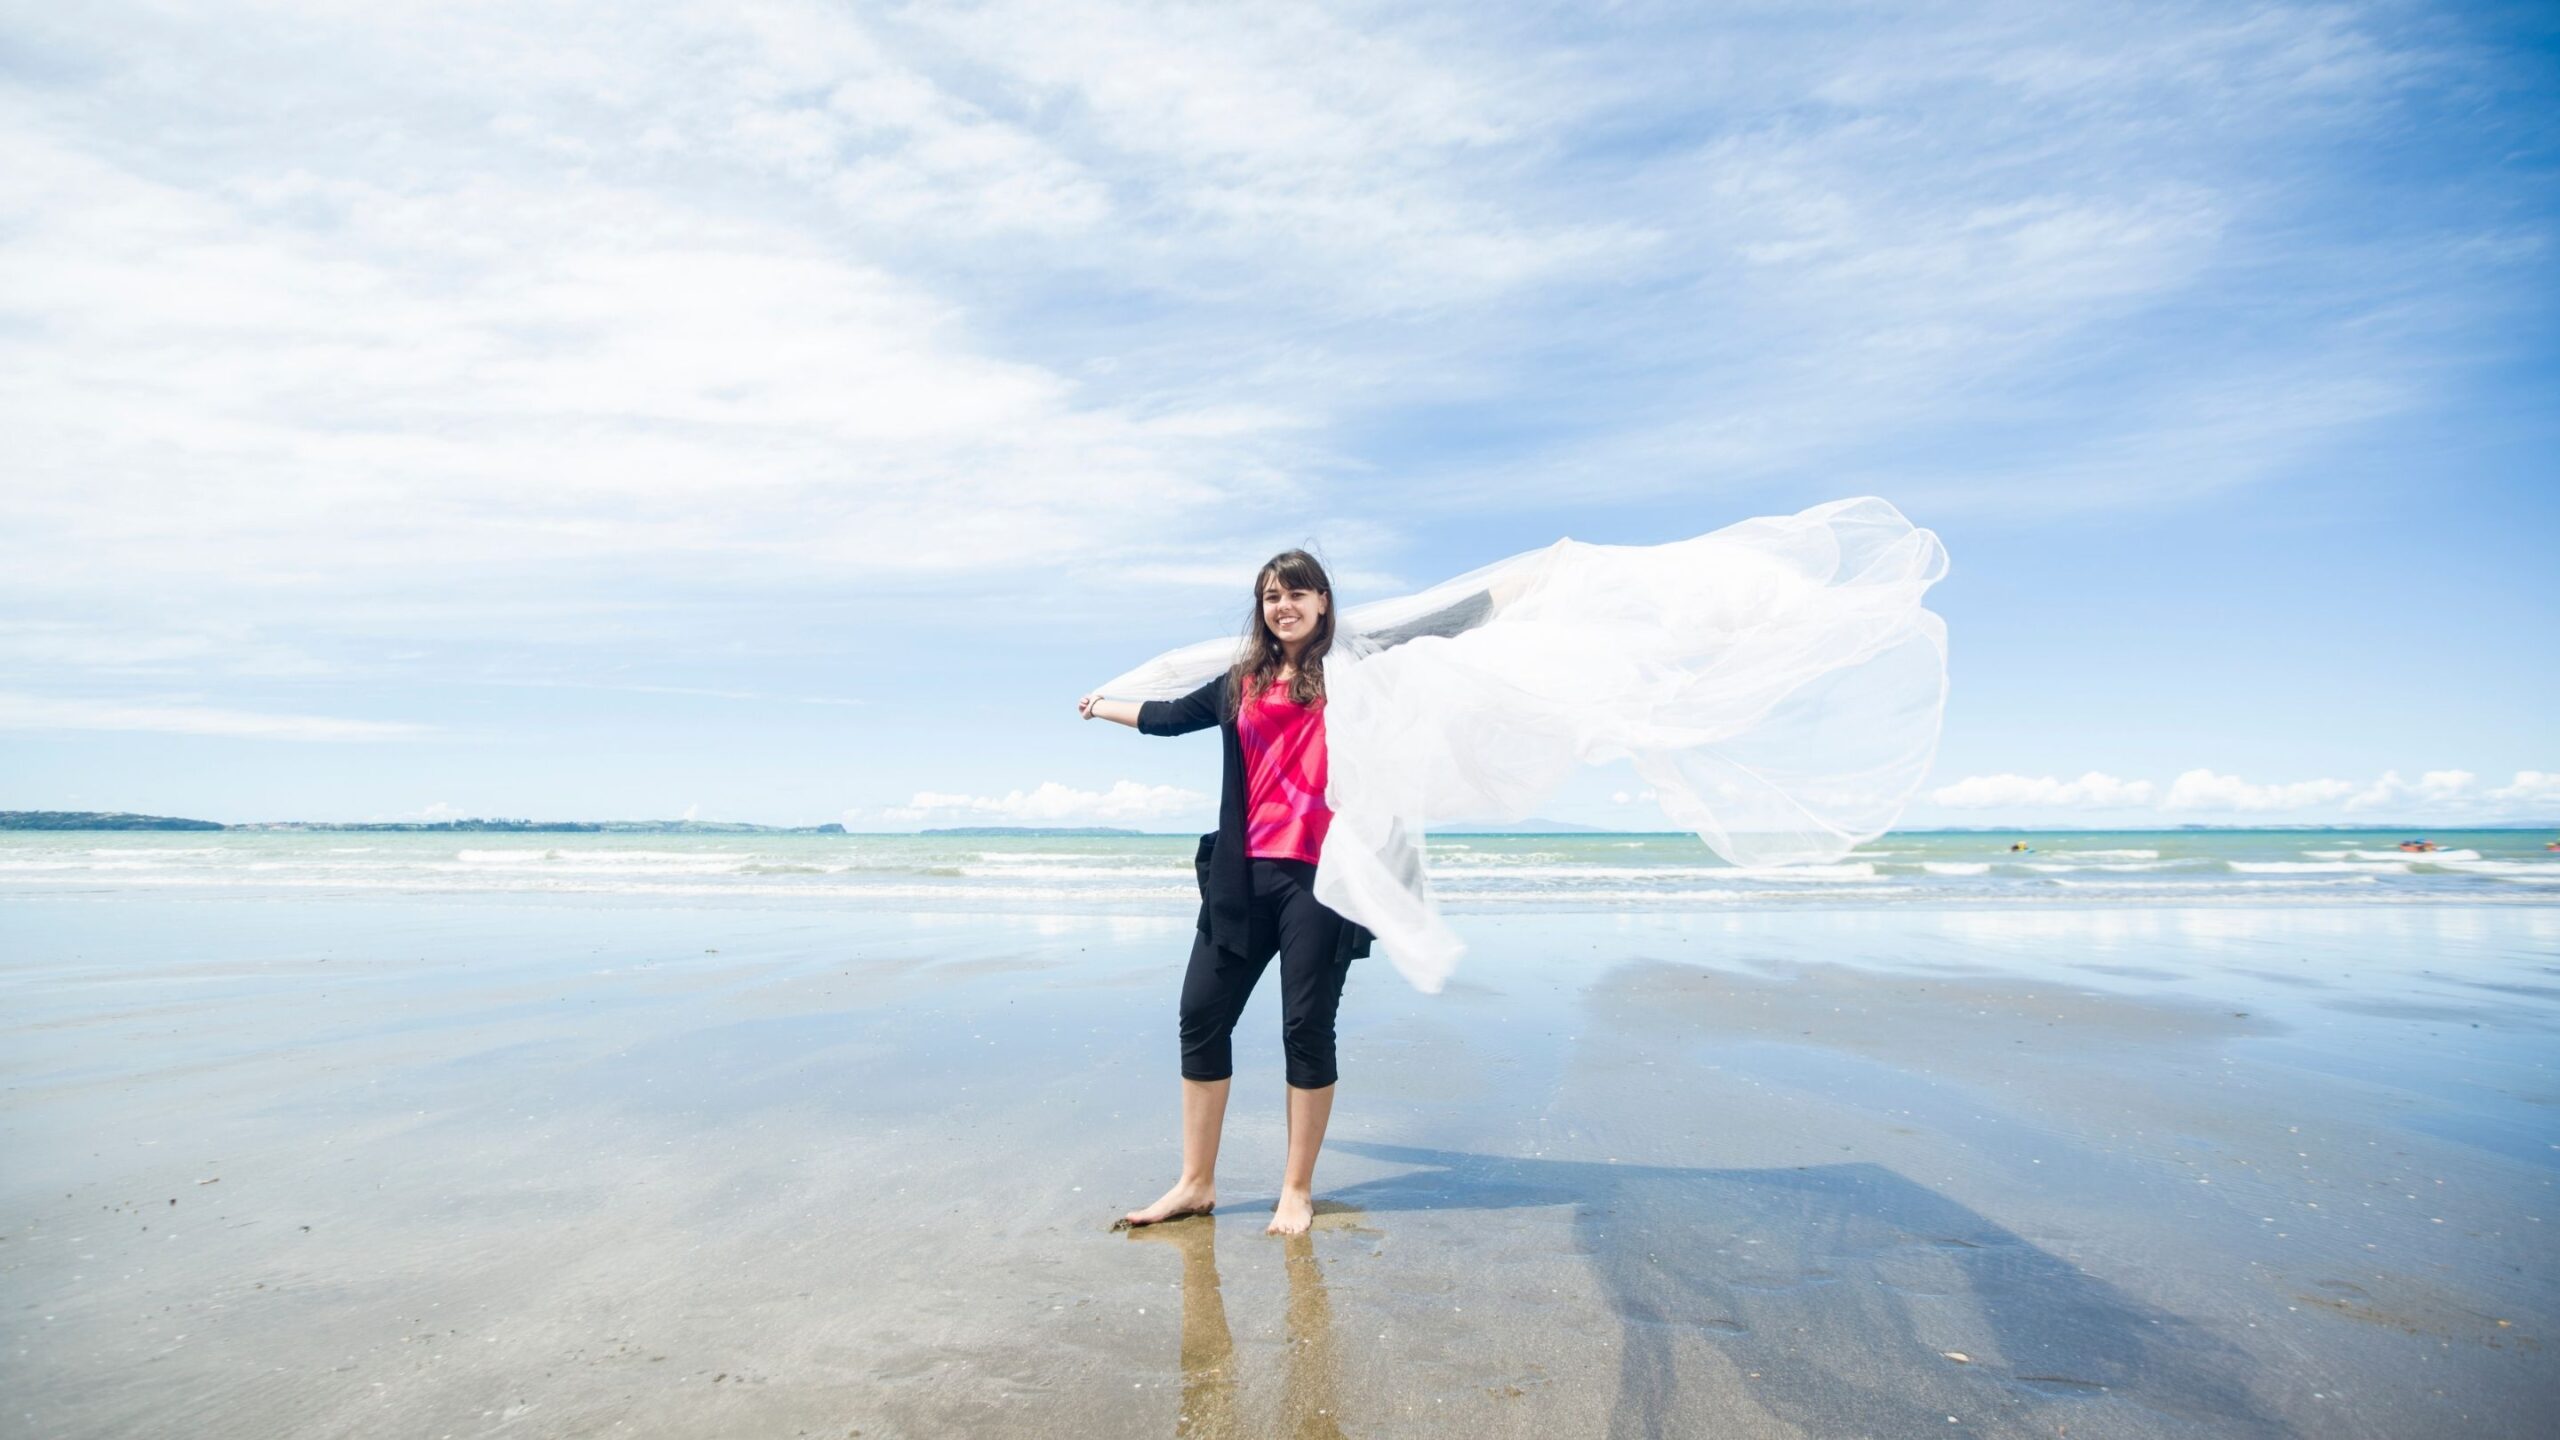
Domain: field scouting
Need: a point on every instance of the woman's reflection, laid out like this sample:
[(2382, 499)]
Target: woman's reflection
[(1308, 1405)]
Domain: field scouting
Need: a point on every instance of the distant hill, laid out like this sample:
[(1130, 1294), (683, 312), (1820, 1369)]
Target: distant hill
[(551, 827), (117, 820), (96, 820)]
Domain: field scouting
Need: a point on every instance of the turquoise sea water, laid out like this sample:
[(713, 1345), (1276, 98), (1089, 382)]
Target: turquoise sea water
[(1153, 873)]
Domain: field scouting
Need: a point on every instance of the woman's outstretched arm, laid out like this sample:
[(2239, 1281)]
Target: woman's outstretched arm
[(1094, 707), (1196, 711)]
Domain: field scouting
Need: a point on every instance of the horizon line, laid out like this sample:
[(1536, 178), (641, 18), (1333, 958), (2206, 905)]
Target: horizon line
[(1552, 827)]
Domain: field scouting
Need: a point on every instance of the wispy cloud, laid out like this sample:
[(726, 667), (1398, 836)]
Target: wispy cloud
[(230, 647), (704, 692), (41, 712), (375, 404), (800, 291)]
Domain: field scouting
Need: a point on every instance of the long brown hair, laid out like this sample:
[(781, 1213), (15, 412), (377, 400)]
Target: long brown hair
[(1260, 660)]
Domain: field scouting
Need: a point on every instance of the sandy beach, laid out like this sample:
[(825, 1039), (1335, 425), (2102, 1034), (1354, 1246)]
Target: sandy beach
[(531, 1167)]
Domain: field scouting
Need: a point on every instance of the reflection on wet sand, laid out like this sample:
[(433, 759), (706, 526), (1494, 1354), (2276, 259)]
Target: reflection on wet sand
[(1309, 1408)]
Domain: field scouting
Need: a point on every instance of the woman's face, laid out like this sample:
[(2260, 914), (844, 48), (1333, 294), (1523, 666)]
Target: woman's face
[(1291, 613)]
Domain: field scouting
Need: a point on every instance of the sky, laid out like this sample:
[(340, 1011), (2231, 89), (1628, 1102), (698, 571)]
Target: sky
[(784, 412)]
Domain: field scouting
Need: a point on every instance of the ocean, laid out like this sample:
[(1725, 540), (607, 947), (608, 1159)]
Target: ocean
[(1150, 874)]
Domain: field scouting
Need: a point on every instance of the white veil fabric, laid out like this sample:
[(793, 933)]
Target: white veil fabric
[(1778, 684)]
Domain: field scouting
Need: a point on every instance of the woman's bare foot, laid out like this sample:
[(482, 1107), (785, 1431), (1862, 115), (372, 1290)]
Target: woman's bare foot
[(1183, 1199), (1295, 1212)]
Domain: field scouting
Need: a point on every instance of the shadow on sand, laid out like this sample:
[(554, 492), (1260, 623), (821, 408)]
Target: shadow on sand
[(1828, 1296)]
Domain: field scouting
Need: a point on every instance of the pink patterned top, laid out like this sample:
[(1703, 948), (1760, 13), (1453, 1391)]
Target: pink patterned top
[(1285, 816)]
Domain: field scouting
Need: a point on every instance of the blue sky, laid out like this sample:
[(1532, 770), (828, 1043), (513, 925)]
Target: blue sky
[(783, 412)]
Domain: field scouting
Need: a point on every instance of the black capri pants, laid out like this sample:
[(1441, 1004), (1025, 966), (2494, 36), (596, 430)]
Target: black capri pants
[(1286, 918)]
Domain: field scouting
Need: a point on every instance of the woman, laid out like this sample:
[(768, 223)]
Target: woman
[(1778, 686), (1258, 884)]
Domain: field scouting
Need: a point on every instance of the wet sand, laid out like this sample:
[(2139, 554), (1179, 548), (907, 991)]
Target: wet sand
[(345, 1167)]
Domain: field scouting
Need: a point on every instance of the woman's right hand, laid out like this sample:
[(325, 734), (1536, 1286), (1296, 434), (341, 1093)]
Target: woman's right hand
[(1094, 707)]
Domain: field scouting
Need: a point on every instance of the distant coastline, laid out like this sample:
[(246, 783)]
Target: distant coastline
[(97, 820), (118, 820), (113, 820)]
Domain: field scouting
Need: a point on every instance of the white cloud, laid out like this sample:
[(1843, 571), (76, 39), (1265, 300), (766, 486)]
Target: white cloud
[(674, 311), (40, 712), (2530, 787), (2202, 789), (1052, 803), (216, 393), (2434, 788), (2093, 791)]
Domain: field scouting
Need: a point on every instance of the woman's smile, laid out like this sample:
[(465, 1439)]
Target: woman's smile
[(1291, 613)]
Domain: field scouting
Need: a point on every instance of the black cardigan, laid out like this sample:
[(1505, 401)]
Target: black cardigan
[(1226, 888)]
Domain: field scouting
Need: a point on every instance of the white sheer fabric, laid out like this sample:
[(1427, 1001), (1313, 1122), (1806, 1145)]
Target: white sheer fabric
[(1778, 683)]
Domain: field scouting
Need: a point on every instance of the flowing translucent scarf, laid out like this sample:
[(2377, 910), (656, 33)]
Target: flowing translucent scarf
[(1778, 683)]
